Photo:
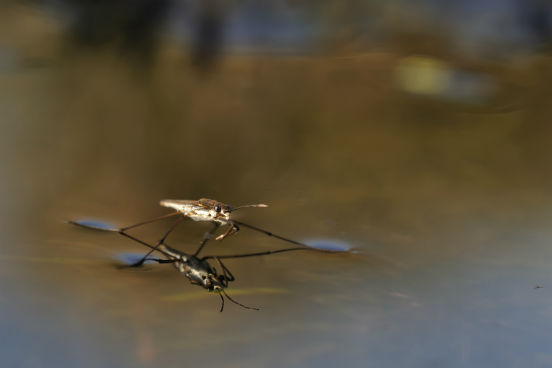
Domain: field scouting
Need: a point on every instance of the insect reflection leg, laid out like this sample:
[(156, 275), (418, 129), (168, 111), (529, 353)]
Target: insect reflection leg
[(206, 237), (226, 274), (161, 241)]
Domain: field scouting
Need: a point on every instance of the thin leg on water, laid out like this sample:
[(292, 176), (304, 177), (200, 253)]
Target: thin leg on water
[(150, 221), (168, 255), (264, 253), (269, 233), (158, 260)]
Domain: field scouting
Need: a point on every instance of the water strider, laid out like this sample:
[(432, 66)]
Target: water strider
[(197, 269), (210, 210)]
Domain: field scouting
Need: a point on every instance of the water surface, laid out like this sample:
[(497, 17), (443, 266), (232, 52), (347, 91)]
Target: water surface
[(447, 203)]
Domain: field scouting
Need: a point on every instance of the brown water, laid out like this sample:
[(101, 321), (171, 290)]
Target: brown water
[(447, 202)]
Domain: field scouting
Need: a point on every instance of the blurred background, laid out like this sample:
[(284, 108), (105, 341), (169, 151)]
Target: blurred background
[(417, 132)]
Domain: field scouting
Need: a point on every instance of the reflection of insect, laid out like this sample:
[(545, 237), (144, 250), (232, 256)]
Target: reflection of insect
[(196, 269), (210, 210), (538, 287)]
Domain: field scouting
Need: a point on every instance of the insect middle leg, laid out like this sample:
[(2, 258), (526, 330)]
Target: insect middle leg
[(233, 228), (150, 221), (206, 237)]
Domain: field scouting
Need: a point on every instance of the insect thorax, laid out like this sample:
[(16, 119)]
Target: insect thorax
[(199, 272), (202, 210)]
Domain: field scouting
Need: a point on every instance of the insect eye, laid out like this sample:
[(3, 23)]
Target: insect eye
[(217, 208)]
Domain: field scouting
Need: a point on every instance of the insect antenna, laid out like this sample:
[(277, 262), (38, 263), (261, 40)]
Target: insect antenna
[(233, 301), (222, 302), (249, 205)]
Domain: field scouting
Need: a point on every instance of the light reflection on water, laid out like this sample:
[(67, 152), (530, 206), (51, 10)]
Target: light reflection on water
[(449, 211)]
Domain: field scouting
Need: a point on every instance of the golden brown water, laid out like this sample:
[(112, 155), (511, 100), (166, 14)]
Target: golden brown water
[(448, 203)]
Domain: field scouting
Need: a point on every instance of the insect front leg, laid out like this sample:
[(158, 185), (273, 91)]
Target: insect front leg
[(233, 228)]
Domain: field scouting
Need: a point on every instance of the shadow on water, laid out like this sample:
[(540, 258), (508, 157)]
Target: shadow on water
[(94, 225), (330, 245)]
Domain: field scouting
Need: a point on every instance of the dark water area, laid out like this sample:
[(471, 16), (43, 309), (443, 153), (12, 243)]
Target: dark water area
[(433, 168)]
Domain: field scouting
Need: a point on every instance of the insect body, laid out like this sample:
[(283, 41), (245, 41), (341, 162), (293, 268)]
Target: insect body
[(200, 210), (216, 212), (204, 209), (198, 269), (210, 210)]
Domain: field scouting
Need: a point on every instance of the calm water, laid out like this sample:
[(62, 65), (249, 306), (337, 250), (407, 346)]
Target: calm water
[(446, 199)]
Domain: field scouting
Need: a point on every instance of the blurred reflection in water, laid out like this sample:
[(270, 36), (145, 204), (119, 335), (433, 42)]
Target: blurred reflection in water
[(134, 25), (208, 34), (429, 157)]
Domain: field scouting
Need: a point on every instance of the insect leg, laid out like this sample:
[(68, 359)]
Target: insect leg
[(206, 237), (231, 231), (264, 253), (161, 241), (269, 233), (150, 221), (102, 227), (225, 271), (167, 254), (161, 260)]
